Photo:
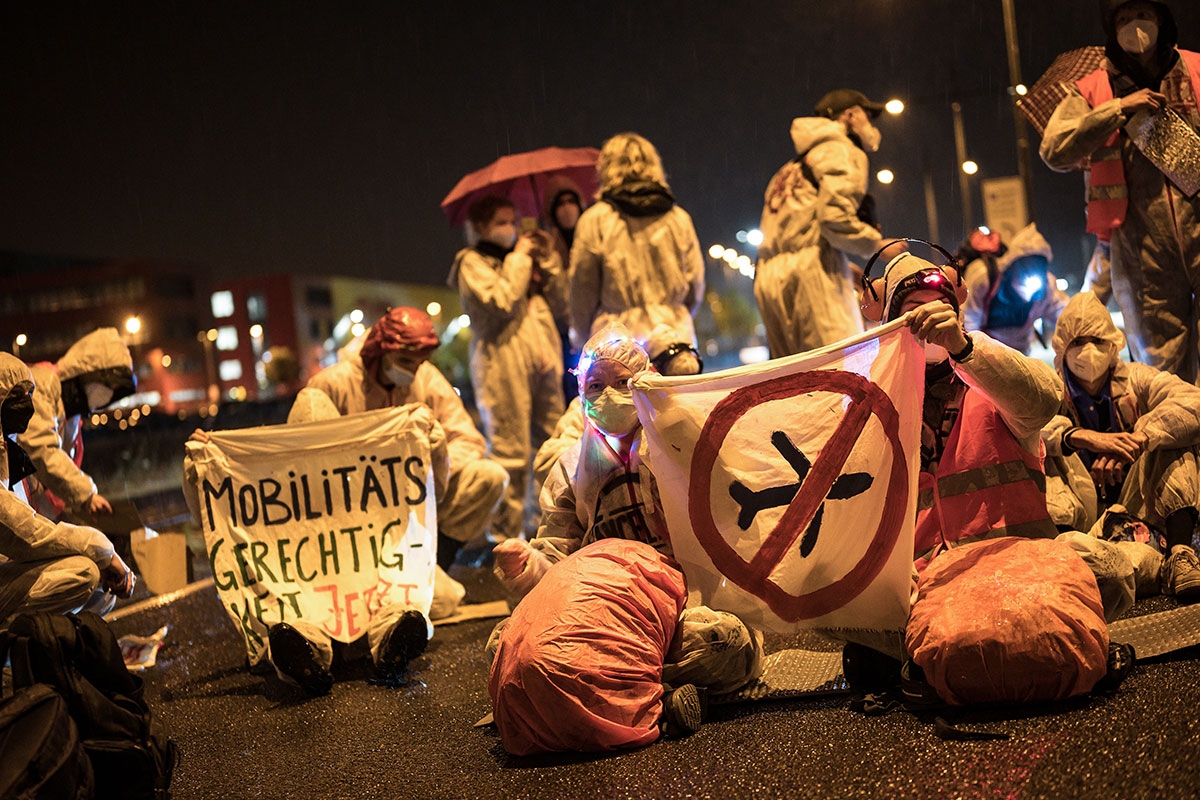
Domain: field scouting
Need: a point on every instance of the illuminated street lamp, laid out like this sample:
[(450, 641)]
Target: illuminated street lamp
[(433, 309), (18, 343), (970, 167), (894, 106), (133, 325), (885, 176), (717, 251)]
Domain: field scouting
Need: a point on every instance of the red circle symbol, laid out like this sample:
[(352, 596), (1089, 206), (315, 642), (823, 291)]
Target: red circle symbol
[(866, 399)]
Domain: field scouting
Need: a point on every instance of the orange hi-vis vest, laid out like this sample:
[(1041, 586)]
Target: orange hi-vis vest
[(1108, 194), (987, 486)]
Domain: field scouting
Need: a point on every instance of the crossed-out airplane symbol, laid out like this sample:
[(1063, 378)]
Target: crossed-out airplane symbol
[(752, 502)]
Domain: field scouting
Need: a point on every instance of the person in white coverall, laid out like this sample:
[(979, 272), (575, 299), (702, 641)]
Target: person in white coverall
[(602, 488), (94, 372), (1010, 290), (811, 222), (512, 288), (392, 368), (1154, 228), (1137, 430), (45, 566), (635, 259)]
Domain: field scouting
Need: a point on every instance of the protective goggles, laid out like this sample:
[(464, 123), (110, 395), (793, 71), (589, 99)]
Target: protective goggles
[(661, 360)]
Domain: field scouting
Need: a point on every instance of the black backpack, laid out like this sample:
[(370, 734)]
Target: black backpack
[(131, 755), (41, 757)]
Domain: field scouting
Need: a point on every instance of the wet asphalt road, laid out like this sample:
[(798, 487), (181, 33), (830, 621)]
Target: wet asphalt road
[(249, 736)]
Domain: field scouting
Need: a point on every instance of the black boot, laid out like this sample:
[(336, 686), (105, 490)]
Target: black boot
[(296, 657), (403, 642)]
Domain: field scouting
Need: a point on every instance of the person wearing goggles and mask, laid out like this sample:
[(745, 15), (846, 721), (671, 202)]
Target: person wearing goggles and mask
[(1137, 431), (1150, 228)]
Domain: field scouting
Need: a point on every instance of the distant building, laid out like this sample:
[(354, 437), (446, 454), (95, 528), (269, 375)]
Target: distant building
[(197, 342)]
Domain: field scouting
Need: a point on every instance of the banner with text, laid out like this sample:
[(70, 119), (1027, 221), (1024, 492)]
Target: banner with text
[(789, 486), (324, 521)]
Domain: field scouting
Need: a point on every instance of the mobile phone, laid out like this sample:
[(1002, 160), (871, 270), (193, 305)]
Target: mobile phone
[(528, 225)]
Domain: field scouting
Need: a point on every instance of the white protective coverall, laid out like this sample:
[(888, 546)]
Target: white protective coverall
[(44, 565), (803, 283), (634, 266), (53, 433), (1166, 477), (476, 482), (516, 360), (986, 309), (1155, 253), (593, 493)]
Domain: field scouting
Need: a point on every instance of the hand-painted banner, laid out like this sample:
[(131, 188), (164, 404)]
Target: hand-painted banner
[(323, 521), (789, 487)]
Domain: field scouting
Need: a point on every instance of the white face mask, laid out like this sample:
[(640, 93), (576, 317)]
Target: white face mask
[(613, 412), (870, 137), (935, 353), (1138, 37), (98, 395), (1089, 362), (399, 377), (502, 236)]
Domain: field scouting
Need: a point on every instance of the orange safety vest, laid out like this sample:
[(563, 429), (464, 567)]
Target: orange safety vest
[(1108, 195), (986, 486)]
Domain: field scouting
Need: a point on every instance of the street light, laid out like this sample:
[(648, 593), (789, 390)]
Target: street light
[(18, 343), (133, 325), (885, 176), (894, 106), (970, 167)]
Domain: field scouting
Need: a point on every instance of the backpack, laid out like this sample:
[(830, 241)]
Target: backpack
[(41, 757), (130, 753)]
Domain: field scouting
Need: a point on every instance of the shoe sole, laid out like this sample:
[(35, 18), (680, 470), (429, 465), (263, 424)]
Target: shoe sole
[(408, 639), (685, 709), (292, 654)]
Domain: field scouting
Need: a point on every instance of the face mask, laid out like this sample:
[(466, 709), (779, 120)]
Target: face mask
[(15, 414), (503, 236), (399, 377), (1089, 363), (935, 353), (567, 215), (870, 137), (98, 395), (1138, 37), (613, 412)]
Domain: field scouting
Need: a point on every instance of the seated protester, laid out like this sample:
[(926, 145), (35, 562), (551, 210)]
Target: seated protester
[(392, 368), (602, 488), (669, 354), (1136, 429), (300, 651), (1010, 287), (985, 405), (94, 372), (45, 565)]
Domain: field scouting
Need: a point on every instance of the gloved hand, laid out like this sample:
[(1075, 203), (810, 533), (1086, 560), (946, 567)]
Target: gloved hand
[(518, 566)]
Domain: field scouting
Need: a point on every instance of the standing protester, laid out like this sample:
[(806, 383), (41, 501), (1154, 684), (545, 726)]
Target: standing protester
[(392, 369), (1136, 428), (1153, 227), (512, 287), (94, 372), (636, 258), (1010, 287), (564, 204), (45, 565), (813, 217)]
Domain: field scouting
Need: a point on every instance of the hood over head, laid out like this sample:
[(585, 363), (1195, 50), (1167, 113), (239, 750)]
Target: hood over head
[(1084, 315), (401, 328), (14, 463), (808, 132), (1026, 242), (13, 373), (907, 273), (100, 357), (1168, 37), (557, 185), (611, 343)]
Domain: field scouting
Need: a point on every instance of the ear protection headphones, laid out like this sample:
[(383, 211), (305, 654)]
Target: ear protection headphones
[(875, 291)]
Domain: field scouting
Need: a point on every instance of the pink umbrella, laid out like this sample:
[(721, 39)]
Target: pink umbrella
[(522, 178)]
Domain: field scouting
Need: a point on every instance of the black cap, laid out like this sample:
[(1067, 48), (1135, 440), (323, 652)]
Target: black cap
[(839, 100)]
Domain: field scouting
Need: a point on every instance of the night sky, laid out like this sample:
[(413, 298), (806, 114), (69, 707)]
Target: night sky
[(319, 138)]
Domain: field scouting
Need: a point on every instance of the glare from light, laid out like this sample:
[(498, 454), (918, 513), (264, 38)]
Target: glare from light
[(742, 263), (166, 361), (356, 315), (357, 329), (433, 309), (1030, 286), (21, 339), (985, 230), (741, 236), (716, 251), (133, 325), (256, 331), (754, 237), (729, 255), (212, 334), (1062, 284), (1021, 89), (747, 270), (135, 415), (885, 176), (464, 321), (145, 410), (970, 167), (894, 106), (104, 419)]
